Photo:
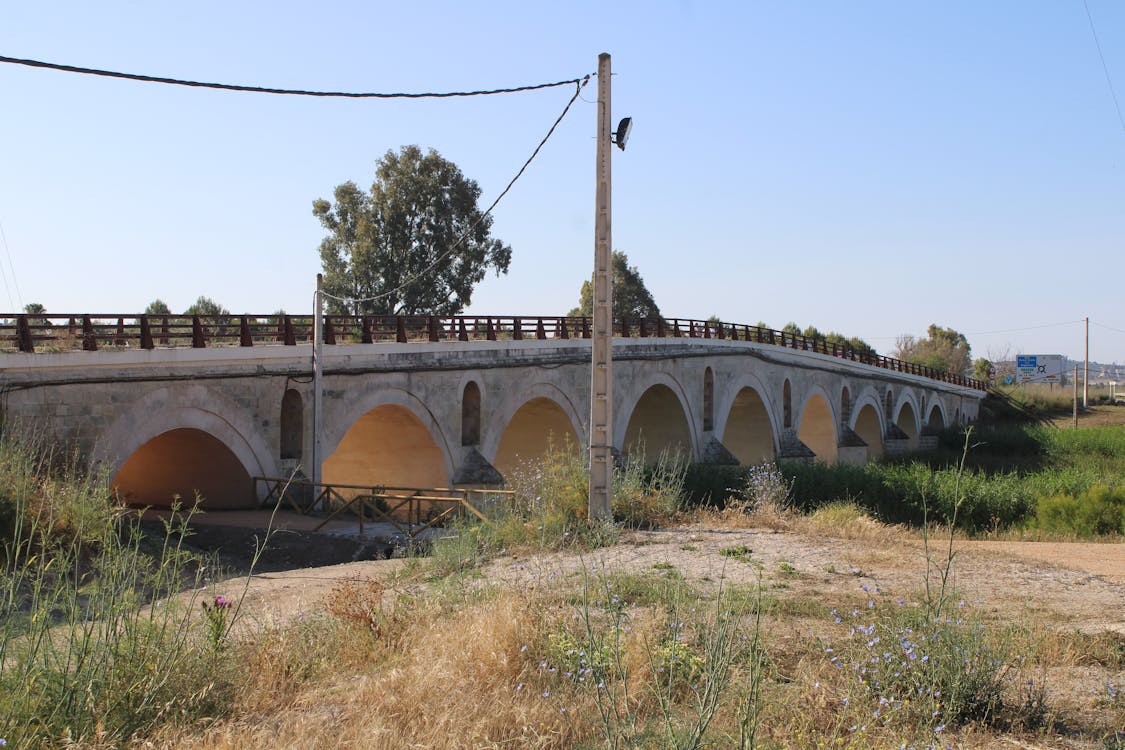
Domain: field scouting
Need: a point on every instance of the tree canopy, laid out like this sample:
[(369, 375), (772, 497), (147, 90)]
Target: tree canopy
[(205, 306), (417, 241), (983, 369), (942, 349), (854, 343), (158, 307), (36, 310), (631, 298)]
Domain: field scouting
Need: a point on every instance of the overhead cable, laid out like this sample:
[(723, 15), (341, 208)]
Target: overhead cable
[(287, 92), (577, 90), (1105, 68), (1026, 328), (988, 333), (1108, 328), (12, 268)]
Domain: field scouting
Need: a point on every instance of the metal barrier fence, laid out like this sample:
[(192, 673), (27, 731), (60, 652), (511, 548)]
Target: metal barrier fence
[(91, 332), (410, 510)]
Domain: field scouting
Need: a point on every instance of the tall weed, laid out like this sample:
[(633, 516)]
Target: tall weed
[(92, 645)]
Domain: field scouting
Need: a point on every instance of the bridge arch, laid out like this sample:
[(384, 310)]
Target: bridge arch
[(183, 438), (395, 440), (907, 417), (867, 421), (937, 409), (817, 425), (747, 425), (657, 416), (529, 420)]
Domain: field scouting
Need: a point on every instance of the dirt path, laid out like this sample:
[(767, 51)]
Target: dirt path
[(1069, 586), (1106, 560)]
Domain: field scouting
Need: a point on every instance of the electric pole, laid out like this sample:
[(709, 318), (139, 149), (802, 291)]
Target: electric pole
[(318, 371), (1086, 370), (601, 354)]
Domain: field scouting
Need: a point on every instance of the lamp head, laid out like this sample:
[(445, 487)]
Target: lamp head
[(621, 136)]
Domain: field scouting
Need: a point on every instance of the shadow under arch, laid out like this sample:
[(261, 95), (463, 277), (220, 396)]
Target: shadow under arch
[(906, 419), (182, 466), (196, 437), (539, 425), (867, 423), (659, 424), (394, 442), (816, 426), (748, 430), (936, 420)]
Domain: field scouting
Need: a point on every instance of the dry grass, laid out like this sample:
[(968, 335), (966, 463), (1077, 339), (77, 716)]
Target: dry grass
[(430, 678), (457, 661), (839, 520)]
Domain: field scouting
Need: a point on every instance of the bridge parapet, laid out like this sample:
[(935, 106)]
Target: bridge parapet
[(94, 332)]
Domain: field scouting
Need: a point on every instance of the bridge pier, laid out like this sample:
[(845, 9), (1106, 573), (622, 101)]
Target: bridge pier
[(852, 449)]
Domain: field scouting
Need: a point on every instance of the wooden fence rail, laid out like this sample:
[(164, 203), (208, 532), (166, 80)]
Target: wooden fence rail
[(410, 510), (92, 332)]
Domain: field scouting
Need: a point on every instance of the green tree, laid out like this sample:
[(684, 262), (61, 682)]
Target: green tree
[(158, 307), (417, 241), (942, 349), (982, 369), (206, 306), (631, 298), (36, 311), (854, 343)]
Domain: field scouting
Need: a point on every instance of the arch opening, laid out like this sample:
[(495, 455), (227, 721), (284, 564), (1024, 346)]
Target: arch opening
[(868, 427), (908, 423), (748, 433), (658, 425), (388, 446), (182, 462), (787, 404), (470, 415), (818, 430), (292, 425), (537, 426), (935, 421), (845, 406)]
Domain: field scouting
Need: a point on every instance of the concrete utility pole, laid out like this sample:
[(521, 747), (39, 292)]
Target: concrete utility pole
[(318, 371), (1086, 370), (1076, 397), (601, 355)]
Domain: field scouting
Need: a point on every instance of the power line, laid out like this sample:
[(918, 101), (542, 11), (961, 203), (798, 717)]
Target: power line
[(1108, 328), (1005, 330), (1105, 68), (288, 92), (577, 91), (1027, 328), (12, 268)]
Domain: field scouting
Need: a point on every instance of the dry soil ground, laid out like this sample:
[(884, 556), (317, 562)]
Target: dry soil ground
[(1069, 585)]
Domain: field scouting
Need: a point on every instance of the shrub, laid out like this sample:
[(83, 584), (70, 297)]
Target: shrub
[(908, 668), (1097, 510)]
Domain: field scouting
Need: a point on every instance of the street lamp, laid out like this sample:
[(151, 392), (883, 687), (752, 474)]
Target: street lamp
[(601, 350)]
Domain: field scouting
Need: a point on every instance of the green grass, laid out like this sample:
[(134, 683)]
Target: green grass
[(1007, 472), (93, 644)]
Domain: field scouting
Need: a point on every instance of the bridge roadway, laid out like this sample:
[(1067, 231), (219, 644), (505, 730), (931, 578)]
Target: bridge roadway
[(162, 421)]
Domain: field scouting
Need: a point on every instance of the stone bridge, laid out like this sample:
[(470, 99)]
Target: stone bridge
[(164, 420)]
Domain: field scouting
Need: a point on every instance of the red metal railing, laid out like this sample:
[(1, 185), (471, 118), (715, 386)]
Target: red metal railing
[(92, 332)]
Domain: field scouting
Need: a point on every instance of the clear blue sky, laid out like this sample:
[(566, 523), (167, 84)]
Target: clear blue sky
[(866, 167)]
